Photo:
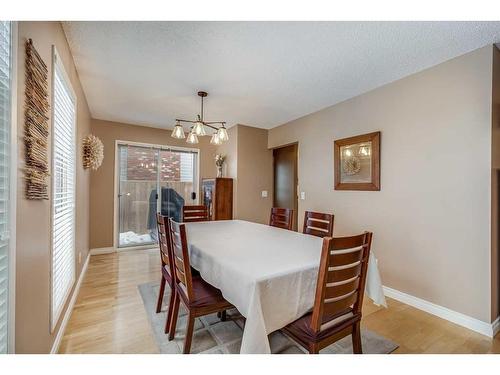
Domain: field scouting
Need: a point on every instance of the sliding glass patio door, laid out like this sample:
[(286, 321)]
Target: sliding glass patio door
[(177, 182), (152, 179)]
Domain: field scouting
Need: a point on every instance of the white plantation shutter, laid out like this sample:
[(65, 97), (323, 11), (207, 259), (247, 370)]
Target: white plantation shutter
[(5, 123), (63, 190)]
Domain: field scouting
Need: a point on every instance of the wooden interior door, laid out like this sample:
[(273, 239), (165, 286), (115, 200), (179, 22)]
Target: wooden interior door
[(286, 179)]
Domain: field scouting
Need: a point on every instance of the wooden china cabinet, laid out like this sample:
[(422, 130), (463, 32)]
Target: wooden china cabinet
[(218, 197)]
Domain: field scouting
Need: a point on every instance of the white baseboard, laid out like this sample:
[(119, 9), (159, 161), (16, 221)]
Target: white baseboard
[(487, 329), (496, 326), (138, 247), (102, 250), (109, 250), (69, 310)]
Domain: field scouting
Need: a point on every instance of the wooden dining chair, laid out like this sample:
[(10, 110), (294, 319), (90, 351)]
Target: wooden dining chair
[(339, 295), (198, 297), (195, 213), (281, 218), (166, 267), (318, 224)]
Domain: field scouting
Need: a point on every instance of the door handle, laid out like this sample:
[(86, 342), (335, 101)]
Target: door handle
[(120, 195)]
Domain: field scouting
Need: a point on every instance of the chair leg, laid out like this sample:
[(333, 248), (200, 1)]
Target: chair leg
[(356, 339), (222, 315), (160, 295), (313, 349), (189, 334), (169, 312), (175, 313)]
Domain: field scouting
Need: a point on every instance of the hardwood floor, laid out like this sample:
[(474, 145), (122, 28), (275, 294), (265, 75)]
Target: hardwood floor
[(109, 315)]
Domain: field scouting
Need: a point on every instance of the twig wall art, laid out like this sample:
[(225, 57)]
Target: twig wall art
[(93, 152), (36, 129)]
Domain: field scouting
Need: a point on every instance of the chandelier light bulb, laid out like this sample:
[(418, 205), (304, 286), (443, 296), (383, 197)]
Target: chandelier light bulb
[(192, 138), (178, 131), (199, 128), (215, 140), (222, 133)]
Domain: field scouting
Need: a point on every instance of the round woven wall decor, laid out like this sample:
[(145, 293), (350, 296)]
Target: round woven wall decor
[(93, 152)]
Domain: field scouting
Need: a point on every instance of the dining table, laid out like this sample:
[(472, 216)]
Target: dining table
[(269, 274)]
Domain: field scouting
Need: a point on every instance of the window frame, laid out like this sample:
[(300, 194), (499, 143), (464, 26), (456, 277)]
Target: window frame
[(55, 317), (12, 186), (13, 193)]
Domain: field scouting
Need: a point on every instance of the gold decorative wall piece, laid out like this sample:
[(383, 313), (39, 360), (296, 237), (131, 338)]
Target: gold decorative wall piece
[(357, 162), (93, 152), (36, 128)]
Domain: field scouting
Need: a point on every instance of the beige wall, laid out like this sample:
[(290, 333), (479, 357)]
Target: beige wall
[(431, 219), (33, 217), (102, 180), (230, 150), (255, 174), (495, 188), (250, 164)]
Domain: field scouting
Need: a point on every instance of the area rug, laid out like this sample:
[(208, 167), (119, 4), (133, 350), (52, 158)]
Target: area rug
[(212, 336)]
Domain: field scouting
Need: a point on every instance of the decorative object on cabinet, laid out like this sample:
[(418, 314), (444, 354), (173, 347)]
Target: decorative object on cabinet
[(93, 152), (219, 163), (36, 124), (218, 197), (357, 162)]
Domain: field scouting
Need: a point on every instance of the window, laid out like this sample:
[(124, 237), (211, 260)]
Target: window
[(63, 189), (5, 124)]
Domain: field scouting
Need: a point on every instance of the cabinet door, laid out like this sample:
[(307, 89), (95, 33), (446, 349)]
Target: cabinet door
[(224, 199), (208, 189)]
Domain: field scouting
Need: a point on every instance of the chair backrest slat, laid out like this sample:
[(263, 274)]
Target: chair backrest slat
[(341, 278), (341, 258), (281, 218), (176, 239), (340, 288), (343, 273), (337, 305), (179, 264), (182, 267), (180, 274), (195, 213), (163, 240), (318, 224)]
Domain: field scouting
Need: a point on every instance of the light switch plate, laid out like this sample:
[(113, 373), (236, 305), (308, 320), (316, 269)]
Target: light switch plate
[(264, 193), (303, 195)]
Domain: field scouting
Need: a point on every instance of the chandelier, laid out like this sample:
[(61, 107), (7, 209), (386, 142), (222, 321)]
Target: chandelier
[(198, 128)]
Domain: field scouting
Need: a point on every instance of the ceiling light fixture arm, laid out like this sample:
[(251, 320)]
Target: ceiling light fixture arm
[(204, 123)]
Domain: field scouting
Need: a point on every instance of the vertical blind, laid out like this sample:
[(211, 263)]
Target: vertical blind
[(5, 117), (63, 190)]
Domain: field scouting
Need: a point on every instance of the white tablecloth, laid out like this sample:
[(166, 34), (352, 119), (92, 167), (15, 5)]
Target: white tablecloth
[(268, 274)]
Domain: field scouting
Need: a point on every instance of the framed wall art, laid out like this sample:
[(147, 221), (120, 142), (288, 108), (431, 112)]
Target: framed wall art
[(36, 124), (357, 162)]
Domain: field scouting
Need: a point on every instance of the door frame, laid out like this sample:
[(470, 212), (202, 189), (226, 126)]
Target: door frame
[(116, 178), (297, 185)]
